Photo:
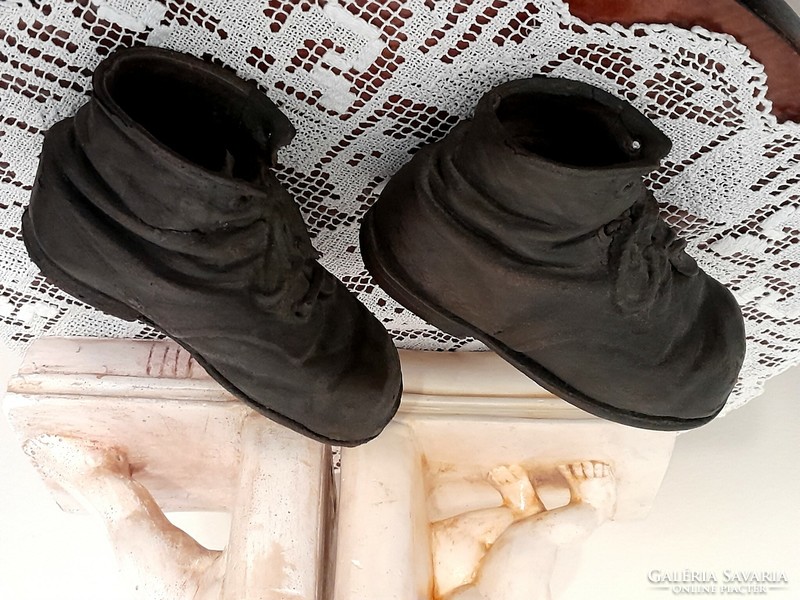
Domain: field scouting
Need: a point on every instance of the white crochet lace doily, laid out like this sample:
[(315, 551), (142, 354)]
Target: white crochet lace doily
[(366, 83)]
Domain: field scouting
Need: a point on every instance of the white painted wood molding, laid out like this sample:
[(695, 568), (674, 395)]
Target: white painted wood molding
[(476, 460)]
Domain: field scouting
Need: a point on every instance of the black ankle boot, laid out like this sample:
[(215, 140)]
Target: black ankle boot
[(529, 228), (156, 202)]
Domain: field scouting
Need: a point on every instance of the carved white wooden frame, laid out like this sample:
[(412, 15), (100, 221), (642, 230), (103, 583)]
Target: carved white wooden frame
[(129, 428)]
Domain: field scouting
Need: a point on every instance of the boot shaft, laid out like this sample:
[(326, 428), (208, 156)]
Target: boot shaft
[(199, 139), (561, 153), (172, 157)]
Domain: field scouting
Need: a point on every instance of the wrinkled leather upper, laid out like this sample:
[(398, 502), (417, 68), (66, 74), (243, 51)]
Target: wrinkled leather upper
[(567, 265), (216, 255)]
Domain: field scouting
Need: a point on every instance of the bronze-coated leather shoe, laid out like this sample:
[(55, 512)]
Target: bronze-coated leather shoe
[(156, 202), (529, 228)]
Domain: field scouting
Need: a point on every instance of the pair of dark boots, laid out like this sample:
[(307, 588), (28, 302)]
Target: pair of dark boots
[(527, 227)]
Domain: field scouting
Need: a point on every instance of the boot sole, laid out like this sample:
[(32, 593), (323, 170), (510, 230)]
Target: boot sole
[(66, 282), (394, 281)]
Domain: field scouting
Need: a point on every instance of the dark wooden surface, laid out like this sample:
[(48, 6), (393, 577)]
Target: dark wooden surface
[(769, 46)]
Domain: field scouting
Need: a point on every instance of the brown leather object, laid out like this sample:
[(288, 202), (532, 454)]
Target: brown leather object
[(157, 201), (768, 46), (554, 255)]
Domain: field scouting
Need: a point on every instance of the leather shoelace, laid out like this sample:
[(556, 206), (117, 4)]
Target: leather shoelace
[(642, 254), (289, 279)]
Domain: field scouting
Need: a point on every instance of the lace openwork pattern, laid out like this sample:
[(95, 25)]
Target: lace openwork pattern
[(366, 83)]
